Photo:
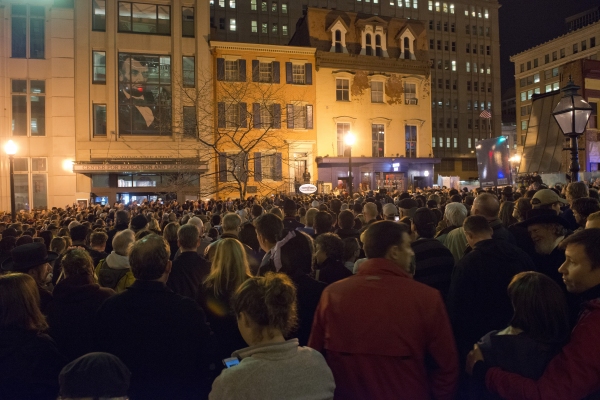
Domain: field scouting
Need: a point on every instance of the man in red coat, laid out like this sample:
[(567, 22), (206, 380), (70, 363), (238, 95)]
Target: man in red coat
[(384, 335), (575, 372)]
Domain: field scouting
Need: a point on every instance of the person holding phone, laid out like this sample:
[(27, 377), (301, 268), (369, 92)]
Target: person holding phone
[(265, 308)]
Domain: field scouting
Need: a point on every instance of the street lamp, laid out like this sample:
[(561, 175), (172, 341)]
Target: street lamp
[(10, 148), (350, 139), (572, 114)]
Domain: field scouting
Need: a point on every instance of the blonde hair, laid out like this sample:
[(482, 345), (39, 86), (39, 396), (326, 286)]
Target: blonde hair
[(20, 303), (229, 267)]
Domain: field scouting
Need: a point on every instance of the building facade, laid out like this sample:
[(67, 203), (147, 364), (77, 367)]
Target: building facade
[(373, 80), (463, 43), (37, 96), (540, 73), (140, 69), (265, 134)]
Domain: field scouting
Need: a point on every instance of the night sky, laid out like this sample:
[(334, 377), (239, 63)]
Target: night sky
[(528, 23)]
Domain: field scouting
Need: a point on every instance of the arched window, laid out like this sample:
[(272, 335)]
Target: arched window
[(368, 45), (378, 51), (406, 48), (338, 41)]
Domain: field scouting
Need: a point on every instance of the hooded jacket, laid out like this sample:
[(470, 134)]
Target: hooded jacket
[(114, 272)]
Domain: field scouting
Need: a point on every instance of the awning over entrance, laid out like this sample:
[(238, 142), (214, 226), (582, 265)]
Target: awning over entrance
[(140, 166)]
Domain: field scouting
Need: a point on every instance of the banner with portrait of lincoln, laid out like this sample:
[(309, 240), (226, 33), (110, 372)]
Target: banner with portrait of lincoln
[(144, 94)]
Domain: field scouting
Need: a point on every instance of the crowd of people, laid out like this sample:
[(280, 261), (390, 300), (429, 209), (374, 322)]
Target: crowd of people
[(437, 294)]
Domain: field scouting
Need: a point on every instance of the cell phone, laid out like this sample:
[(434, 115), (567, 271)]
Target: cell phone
[(396, 218), (231, 362)]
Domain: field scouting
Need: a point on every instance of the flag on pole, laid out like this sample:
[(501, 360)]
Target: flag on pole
[(485, 114)]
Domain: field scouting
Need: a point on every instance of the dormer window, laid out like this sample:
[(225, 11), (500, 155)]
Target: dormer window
[(368, 45), (378, 51), (338, 36), (407, 44), (338, 41), (373, 35)]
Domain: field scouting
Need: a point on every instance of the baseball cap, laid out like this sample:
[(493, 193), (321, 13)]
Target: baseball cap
[(546, 197)]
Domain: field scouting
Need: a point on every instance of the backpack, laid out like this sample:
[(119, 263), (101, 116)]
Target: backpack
[(116, 279)]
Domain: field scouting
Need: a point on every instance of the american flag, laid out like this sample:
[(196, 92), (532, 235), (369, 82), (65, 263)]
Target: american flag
[(485, 114)]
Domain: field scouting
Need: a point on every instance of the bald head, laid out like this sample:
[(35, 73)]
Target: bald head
[(486, 205)]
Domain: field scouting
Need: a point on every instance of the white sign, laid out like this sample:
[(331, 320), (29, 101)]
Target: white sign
[(307, 189)]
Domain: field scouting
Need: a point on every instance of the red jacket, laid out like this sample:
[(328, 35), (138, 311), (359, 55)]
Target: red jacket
[(377, 328), (573, 374)]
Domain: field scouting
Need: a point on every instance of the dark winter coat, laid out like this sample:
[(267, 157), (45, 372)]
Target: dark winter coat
[(29, 365), (71, 314), (188, 272)]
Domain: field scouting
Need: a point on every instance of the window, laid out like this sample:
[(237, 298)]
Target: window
[(468, 29), (452, 27), (99, 15), (263, 6), (254, 27), (468, 47), (99, 119), (431, 46), (28, 31), (524, 125), (453, 65), (429, 5), (446, 48), (232, 116), (451, 8), (144, 97), (448, 142), (486, 13), (232, 25), (221, 23), (455, 142), (342, 130), (575, 48), (231, 3), (232, 70), (274, 7), (28, 96), (270, 167), (253, 6), (99, 67), (300, 116), (299, 74), (535, 63), (469, 86), (31, 184), (441, 144), (189, 122), (410, 93), (342, 89), (487, 50), (468, 66), (284, 30), (188, 71), (187, 21), (592, 42), (284, 8), (583, 45), (546, 58), (274, 28), (536, 78), (555, 71), (376, 92), (144, 18), (562, 53), (265, 72), (410, 133), (469, 143), (265, 28), (378, 139)]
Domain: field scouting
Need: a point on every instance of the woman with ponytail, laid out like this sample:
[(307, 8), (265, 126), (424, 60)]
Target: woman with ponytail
[(265, 308)]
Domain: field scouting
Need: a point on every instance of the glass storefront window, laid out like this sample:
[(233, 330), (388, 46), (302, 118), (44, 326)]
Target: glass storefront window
[(22, 192)]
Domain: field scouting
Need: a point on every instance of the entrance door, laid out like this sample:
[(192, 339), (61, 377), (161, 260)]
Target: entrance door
[(298, 168)]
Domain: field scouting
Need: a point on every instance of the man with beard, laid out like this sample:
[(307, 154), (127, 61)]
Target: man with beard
[(546, 230), (33, 259), (139, 111)]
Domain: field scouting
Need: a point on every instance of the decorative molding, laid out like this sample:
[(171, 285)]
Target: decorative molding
[(82, 167), (229, 46)]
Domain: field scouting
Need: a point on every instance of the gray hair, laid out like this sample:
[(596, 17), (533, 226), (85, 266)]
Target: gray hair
[(455, 213), (122, 241)]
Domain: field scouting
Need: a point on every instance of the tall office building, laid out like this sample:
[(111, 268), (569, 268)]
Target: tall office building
[(464, 53)]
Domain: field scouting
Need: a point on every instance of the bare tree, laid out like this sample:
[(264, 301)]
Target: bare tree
[(241, 129)]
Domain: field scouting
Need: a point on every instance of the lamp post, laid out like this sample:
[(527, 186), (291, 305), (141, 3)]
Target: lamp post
[(10, 148), (349, 140), (572, 114)]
